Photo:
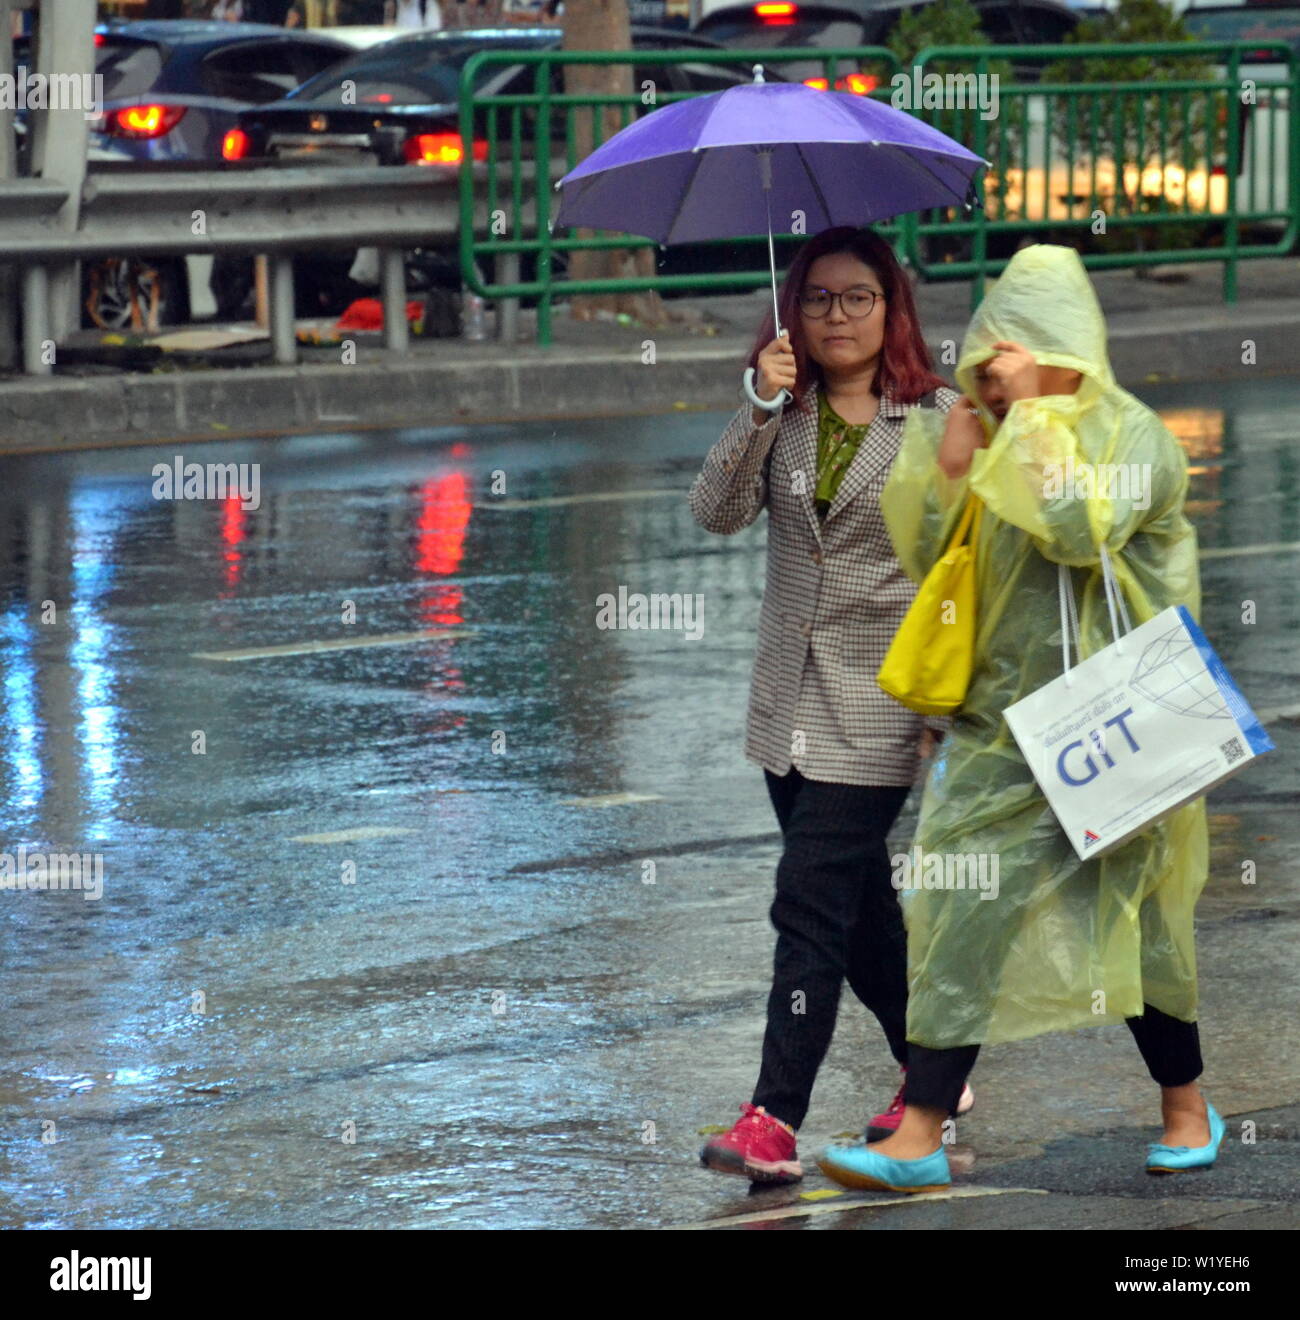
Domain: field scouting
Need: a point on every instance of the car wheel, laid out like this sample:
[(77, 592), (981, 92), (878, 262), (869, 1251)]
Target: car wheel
[(133, 293)]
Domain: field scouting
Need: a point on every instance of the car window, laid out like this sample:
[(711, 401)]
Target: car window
[(405, 73), (311, 57), (744, 31), (1012, 25), (738, 28), (250, 71), (129, 68)]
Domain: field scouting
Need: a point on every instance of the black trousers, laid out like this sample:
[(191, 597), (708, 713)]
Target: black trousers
[(837, 917), (1171, 1049)]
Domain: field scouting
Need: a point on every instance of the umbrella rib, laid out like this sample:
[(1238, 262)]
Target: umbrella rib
[(685, 192), (913, 160), (812, 179)]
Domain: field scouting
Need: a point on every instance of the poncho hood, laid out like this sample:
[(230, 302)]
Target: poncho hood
[(1045, 301)]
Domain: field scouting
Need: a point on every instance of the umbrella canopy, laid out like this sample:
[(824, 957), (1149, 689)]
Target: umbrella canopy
[(696, 169)]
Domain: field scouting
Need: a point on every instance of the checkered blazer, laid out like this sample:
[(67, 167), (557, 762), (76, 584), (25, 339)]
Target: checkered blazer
[(835, 595)]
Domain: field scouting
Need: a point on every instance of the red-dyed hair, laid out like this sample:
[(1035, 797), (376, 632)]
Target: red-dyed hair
[(905, 368)]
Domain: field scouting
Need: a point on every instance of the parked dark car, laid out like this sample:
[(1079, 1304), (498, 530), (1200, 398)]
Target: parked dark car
[(172, 89), (397, 104), (171, 92), (790, 25)]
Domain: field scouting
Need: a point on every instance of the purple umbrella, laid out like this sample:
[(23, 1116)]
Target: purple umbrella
[(719, 166)]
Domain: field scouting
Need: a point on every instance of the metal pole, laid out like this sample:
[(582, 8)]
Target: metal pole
[(36, 319), (284, 346), (392, 274), (765, 170)]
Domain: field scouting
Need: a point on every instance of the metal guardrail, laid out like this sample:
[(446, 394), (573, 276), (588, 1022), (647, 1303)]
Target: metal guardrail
[(272, 211), (1045, 139)]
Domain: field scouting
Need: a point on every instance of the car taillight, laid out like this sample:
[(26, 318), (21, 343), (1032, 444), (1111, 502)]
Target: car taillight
[(860, 84), (143, 121), (234, 146), (440, 149), (100, 38), (776, 13)]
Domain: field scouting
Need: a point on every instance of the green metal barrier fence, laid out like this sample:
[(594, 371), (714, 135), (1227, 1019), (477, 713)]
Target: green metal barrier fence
[(1171, 169), (1176, 166), (510, 124)]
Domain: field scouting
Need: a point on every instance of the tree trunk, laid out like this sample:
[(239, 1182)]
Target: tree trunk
[(604, 25)]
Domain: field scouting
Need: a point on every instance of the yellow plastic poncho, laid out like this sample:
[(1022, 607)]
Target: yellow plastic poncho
[(1064, 943)]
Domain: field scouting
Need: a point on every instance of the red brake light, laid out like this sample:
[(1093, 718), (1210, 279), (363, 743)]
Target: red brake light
[(440, 149), (776, 13), (234, 146), (100, 38), (860, 84), (143, 121)]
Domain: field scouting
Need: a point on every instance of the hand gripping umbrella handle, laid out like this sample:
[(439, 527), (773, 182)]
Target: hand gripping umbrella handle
[(767, 405)]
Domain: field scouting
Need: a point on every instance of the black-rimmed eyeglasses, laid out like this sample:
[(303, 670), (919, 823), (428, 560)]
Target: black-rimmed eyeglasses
[(856, 302)]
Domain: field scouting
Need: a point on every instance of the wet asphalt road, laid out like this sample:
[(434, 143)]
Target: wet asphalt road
[(380, 944)]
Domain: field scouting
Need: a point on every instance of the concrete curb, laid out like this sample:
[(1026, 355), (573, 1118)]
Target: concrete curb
[(447, 383)]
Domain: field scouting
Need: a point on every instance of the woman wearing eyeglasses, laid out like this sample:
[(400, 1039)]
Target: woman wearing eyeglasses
[(839, 755)]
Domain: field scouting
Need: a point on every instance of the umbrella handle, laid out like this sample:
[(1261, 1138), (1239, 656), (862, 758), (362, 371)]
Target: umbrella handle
[(767, 405)]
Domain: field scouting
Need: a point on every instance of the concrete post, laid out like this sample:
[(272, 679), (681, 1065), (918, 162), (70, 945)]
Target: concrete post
[(66, 55), (8, 170), (283, 343), (36, 319), (392, 270)]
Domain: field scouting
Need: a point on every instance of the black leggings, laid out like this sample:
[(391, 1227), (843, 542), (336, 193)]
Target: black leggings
[(837, 917), (1170, 1047)]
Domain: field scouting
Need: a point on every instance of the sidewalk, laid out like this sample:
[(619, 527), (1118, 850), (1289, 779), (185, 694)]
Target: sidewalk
[(1160, 330)]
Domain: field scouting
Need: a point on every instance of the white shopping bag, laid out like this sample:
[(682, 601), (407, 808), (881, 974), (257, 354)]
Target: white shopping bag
[(1136, 731)]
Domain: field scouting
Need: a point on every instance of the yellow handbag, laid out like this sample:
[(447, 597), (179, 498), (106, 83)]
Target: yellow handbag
[(928, 665)]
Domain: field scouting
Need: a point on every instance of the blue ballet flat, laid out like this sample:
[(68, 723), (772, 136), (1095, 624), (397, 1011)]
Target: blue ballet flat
[(1173, 1159), (862, 1166)]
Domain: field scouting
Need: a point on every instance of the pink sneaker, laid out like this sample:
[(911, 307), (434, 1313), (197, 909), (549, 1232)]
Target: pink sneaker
[(886, 1124), (758, 1147)]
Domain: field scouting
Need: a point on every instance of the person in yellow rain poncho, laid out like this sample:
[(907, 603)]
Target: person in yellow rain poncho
[(1043, 942)]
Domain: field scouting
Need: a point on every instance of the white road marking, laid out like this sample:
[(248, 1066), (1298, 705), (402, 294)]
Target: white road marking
[(334, 644), (611, 799), (851, 1202), (1273, 548), (349, 836), (551, 500)]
